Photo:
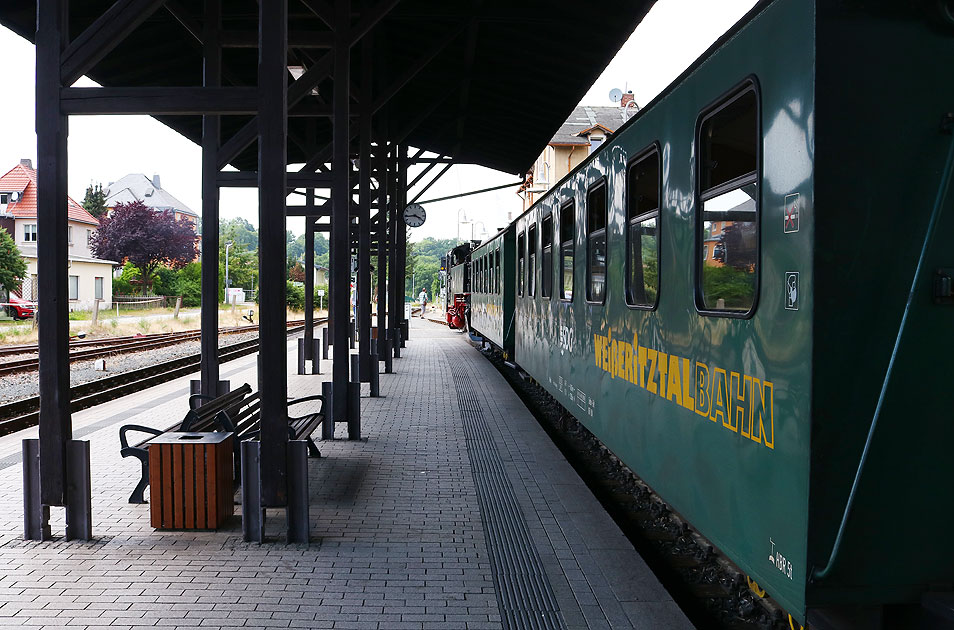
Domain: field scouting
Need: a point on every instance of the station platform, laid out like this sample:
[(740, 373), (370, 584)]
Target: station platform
[(454, 511)]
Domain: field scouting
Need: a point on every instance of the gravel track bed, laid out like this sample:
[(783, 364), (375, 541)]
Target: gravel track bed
[(26, 384)]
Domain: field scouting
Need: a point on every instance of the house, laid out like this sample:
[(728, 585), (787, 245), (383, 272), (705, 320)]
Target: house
[(90, 278), (583, 132), (138, 187)]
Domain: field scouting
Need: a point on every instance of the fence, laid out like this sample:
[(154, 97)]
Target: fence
[(142, 302)]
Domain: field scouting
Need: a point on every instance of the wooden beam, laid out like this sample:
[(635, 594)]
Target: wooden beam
[(159, 100), (103, 35)]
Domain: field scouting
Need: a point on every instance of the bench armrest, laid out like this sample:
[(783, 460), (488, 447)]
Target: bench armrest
[(224, 421), (306, 399), (135, 427), (194, 398)]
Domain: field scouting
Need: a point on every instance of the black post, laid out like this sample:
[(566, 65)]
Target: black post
[(52, 129), (363, 324), (272, 129), (395, 272), (309, 273), (401, 236), (211, 131), (341, 206)]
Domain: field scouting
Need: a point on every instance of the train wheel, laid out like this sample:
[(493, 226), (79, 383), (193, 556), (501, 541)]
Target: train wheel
[(755, 588)]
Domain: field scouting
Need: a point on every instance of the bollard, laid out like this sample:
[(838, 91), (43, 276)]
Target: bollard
[(375, 375), (316, 356), (324, 343), (327, 406), (301, 355), (388, 362), (95, 317), (175, 313), (405, 329), (396, 343), (351, 334), (297, 507), (354, 376), (354, 411)]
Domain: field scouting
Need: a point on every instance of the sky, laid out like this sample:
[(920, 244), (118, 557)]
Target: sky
[(102, 149)]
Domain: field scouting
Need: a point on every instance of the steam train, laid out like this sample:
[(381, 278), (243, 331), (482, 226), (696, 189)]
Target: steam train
[(741, 295)]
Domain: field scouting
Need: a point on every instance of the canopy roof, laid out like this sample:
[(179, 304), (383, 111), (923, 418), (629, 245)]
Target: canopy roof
[(503, 79)]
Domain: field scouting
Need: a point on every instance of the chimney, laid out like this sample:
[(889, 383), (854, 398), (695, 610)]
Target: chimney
[(627, 99), (155, 181), (27, 163)]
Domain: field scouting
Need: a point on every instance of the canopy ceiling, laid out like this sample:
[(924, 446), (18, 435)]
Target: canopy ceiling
[(500, 78)]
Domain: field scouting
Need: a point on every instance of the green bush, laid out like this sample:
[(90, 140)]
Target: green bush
[(294, 296), (189, 284), (123, 284)]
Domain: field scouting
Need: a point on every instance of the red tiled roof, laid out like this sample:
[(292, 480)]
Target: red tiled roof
[(22, 179)]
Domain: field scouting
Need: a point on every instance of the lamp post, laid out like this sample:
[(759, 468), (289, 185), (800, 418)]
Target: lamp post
[(227, 245), (458, 224), (473, 224)]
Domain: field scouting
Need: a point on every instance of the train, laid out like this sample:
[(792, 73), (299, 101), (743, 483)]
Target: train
[(745, 293)]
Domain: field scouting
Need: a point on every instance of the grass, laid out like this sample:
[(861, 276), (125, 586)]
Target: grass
[(13, 333)]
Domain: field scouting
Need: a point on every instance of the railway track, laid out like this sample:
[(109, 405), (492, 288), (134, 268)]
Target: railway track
[(97, 348), (24, 413)]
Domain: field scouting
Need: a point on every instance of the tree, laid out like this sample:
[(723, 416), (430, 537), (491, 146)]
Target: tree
[(13, 268), (145, 237), (297, 273), (95, 200)]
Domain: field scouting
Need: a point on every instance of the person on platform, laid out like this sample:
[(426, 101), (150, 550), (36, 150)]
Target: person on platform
[(422, 298)]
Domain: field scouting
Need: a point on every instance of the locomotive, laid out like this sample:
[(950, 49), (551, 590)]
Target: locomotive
[(740, 294)]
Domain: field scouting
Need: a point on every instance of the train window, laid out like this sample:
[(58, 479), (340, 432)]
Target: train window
[(497, 266), (642, 220), (521, 257), (546, 260), (532, 260), (567, 236), (727, 234), (596, 242)]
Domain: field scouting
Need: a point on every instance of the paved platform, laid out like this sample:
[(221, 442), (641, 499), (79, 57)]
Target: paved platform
[(455, 512)]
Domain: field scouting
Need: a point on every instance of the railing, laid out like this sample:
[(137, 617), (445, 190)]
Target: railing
[(142, 302)]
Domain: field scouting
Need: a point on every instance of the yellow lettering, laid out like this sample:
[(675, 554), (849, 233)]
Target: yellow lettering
[(731, 421), (598, 349), (702, 389), (651, 383), (662, 361), (641, 358), (687, 401), (719, 396), (766, 398), (674, 386), (742, 397)]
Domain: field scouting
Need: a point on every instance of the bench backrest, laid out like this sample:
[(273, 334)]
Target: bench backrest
[(203, 418)]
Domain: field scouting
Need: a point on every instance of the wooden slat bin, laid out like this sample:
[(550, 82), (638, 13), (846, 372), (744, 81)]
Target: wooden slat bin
[(190, 480)]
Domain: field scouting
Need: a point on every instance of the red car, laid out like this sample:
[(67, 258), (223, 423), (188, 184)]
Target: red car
[(20, 308)]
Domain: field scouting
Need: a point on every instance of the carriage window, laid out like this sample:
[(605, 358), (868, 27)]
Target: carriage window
[(596, 242), (521, 258), (567, 213), (546, 261), (497, 266), (532, 260), (729, 197), (642, 220)]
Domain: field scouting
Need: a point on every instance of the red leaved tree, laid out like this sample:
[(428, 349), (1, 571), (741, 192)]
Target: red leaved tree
[(146, 237)]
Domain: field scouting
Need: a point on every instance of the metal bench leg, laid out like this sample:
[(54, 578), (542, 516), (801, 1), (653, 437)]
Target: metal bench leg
[(79, 497), (312, 448), (36, 516), (253, 514), (137, 495)]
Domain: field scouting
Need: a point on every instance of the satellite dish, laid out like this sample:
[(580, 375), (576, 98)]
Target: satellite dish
[(616, 95)]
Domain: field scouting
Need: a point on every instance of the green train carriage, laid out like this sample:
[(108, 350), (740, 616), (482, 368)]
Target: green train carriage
[(716, 294)]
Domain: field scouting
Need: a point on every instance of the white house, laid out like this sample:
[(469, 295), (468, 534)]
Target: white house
[(90, 278)]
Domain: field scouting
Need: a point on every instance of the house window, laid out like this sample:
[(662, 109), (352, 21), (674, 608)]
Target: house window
[(89, 237), (74, 287), (546, 262), (4, 199), (69, 234), (596, 242), (642, 214), (727, 278), (29, 233), (532, 260), (98, 288), (521, 257), (567, 214), (596, 142)]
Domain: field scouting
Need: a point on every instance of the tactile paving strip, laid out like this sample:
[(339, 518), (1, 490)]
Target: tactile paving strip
[(523, 590)]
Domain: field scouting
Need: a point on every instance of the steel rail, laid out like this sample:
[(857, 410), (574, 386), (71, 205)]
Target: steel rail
[(24, 413)]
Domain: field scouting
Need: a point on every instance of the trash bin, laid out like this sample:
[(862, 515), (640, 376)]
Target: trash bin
[(190, 480)]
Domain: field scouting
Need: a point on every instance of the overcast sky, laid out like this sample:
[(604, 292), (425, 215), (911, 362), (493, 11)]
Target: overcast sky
[(105, 148)]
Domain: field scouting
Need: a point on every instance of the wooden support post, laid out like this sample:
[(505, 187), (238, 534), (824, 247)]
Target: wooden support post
[(341, 207), (51, 137), (272, 129), (211, 132), (363, 288)]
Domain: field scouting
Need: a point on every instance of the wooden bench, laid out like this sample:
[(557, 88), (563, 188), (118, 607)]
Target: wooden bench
[(212, 416), (238, 412)]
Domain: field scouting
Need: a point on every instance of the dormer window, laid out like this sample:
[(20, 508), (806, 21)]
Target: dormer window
[(595, 142)]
